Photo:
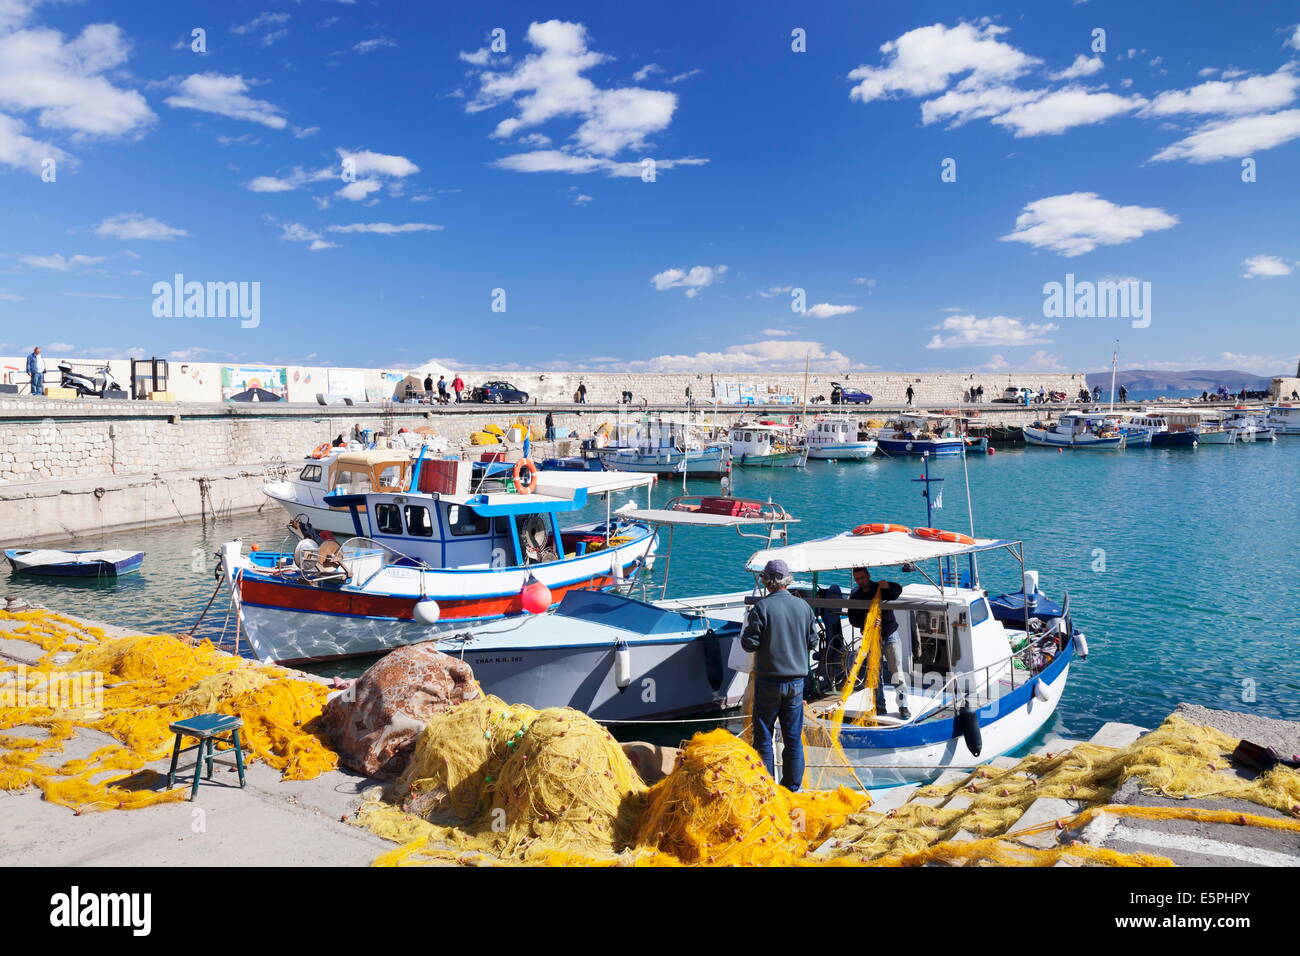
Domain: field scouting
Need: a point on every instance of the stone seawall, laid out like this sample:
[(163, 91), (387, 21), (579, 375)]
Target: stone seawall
[(931, 388)]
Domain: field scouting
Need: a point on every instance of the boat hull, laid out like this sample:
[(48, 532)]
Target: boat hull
[(846, 451), (893, 756), (672, 677), (1047, 439), (919, 446), (88, 569), (292, 622), (710, 463), (1174, 440), (781, 459)]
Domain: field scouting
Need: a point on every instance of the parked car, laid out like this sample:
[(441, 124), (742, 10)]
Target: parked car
[(1013, 395), (848, 396), (498, 392)]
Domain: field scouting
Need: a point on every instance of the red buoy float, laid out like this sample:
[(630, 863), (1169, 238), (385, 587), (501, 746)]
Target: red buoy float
[(535, 596)]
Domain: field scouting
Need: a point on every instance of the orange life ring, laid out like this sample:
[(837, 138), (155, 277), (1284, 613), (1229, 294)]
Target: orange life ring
[(520, 466), (880, 528), (321, 450), (934, 534)]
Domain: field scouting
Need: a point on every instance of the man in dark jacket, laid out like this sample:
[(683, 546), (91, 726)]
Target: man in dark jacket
[(780, 632), (890, 646)]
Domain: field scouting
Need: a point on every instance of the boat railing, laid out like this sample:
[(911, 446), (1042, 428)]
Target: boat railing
[(967, 681)]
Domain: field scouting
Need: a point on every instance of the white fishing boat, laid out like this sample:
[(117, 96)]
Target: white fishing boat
[(1284, 419), (1077, 430), (328, 471), (767, 445), (982, 675), (625, 656), (1250, 424), (665, 447), (927, 433), (421, 563), (839, 439)]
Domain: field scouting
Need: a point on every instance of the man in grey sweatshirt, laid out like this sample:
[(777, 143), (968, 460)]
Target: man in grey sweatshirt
[(780, 632)]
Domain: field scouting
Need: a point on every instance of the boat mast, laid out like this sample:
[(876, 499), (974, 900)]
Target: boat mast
[(1114, 360)]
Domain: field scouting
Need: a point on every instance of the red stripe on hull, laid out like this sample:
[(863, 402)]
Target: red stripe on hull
[(296, 598)]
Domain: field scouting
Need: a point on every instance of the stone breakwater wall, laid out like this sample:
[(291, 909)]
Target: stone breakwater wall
[(889, 388)]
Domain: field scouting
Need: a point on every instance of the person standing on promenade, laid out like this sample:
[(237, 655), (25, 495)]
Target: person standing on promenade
[(36, 371), (910, 395), (458, 386), (442, 389), (780, 632), (428, 389), (550, 426), (582, 393)]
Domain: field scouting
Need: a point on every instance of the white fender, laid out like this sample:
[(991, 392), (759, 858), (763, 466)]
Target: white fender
[(1040, 690), (426, 611), (622, 665), (1081, 645), (616, 567)]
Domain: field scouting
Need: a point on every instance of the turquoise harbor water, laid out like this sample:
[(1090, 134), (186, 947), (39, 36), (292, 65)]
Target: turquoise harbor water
[(1182, 565)]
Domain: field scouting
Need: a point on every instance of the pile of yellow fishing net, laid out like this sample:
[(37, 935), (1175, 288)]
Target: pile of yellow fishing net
[(131, 689), (551, 787), (1179, 759)]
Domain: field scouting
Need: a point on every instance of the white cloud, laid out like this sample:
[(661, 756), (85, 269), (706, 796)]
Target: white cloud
[(775, 332), (1074, 106), (135, 226), (550, 84), (265, 24), (646, 71), (923, 61), (967, 331), (863, 280), (692, 280), (369, 46), (961, 106), (767, 355), (365, 162), (1234, 138), (824, 310), (359, 189), (1075, 223), (557, 161), (1254, 94), (1293, 41), (1082, 66), (297, 232), (59, 263), (63, 83), (1266, 266), (225, 96), (386, 228)]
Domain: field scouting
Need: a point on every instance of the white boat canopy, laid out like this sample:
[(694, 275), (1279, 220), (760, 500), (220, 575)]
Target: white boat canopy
[(848, 550), (553, 486), (665, 516)]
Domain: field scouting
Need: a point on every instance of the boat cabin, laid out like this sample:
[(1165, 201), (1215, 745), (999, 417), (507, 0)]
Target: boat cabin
[(834, 431), (760, 439), (358, 472), (493, 530)]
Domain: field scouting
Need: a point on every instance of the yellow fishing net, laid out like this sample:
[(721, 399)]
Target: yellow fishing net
[(507, 780), (141, 684), (1178, 759)]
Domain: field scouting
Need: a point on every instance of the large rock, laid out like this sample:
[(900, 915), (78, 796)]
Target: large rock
[(374, 723)]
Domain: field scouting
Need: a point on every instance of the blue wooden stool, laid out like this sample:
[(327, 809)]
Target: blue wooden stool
[(206, 728)]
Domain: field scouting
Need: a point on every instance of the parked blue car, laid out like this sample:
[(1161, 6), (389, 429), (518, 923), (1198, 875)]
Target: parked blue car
[(498, 392), (848, 396)]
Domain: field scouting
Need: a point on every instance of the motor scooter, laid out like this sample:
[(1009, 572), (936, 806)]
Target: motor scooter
[(94, 385)]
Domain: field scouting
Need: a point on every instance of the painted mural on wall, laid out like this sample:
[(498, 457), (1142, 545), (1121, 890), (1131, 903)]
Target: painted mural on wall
[(254, 383)]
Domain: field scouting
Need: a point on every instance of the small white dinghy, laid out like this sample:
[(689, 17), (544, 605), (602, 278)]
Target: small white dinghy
[(74, 564)]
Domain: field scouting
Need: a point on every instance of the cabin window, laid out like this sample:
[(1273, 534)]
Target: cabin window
[(418, 523), (391, 477), (354, 482), (388, 520), (749, 436), (310, 473), (463, 521), (979, 612)]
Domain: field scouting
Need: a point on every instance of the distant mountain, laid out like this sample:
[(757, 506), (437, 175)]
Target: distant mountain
[(1142, 380)]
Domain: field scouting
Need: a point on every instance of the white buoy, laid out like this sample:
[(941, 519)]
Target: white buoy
[(616, 568), (426, 611), (1081, 645), (622, 666), (1040, 691)]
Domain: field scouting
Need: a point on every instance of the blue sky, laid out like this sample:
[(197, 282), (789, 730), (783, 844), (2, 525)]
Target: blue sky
[(473, 170)]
